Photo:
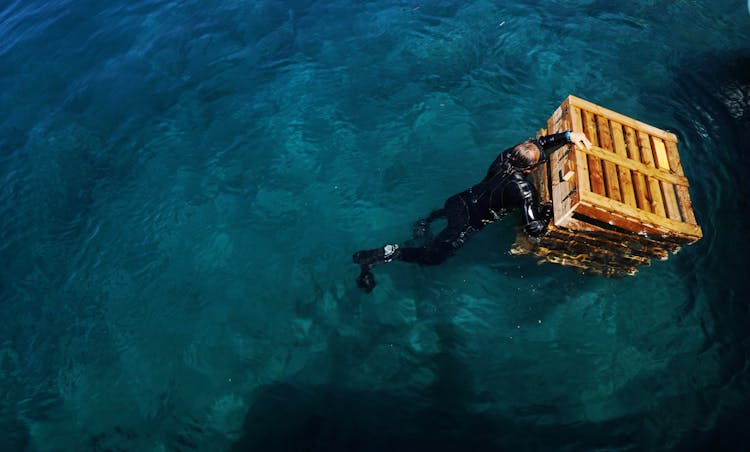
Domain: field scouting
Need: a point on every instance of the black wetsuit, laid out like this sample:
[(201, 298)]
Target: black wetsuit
[(503, 189)]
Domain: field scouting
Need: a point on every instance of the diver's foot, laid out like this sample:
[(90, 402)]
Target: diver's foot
[(389, 252), (369, 258), (366, 281)]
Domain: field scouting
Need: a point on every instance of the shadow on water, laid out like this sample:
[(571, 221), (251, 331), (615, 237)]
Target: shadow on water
[(444, 416), (293, 417), (288, 416)]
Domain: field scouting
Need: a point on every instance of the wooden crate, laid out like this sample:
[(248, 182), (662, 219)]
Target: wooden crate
[(618, 204)]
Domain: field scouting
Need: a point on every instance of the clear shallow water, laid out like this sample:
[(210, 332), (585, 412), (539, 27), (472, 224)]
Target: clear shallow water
[(183, 186)]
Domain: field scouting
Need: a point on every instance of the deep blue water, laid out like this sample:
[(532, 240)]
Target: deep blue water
[(183, 184)]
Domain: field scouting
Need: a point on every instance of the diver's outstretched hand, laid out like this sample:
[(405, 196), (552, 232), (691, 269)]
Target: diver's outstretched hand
[(579, 138)]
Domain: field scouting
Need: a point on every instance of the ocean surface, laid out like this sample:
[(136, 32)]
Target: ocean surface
[(182, 185)]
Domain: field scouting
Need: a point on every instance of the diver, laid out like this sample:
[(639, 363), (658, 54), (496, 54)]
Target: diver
[(503, 189)]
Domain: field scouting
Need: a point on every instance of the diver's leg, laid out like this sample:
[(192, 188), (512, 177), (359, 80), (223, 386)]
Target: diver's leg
[(370, 258), (447, 241), (444, 245), (376, 256), (433, 254), (422, 227)]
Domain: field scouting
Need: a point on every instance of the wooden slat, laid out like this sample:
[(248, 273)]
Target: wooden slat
[(670, 201), (637, 245), (641, 168), (667, 189), (591, 209), (591, 248), (612, 183), (654, 189), (683, 197), (639, 180), (595, 165), (650, 223), (564, 192), (581, 163), (634, 245), (626, 178), (553, 123), (540, 178), (660, 152), (622, 119), (674, 157)]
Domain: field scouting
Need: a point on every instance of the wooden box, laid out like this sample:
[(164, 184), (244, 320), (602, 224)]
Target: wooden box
[(618, 204)]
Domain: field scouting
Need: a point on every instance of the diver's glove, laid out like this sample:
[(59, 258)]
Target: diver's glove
[(535, 228), (538, 227)]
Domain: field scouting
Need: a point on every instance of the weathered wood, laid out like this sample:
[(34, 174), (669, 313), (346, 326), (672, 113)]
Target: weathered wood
[(651, 223), (660, 152), (667, 189), (579, 230), (639, 244), (683, 197), (654, 189), (617, 243), (611, 179), (539, 179), (566, 192), (641, 168), (581, 163), (626, 178), (639, 180), (589, 259), (591, 209), (594, 251), (595, 165), (587, 265), (622, 119)]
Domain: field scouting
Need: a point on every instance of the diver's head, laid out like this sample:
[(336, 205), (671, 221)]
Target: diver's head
[(525, 156)]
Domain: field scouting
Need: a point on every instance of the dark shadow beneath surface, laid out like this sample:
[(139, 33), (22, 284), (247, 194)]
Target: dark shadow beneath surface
[(297, 418), (448, 415), (286, 417)]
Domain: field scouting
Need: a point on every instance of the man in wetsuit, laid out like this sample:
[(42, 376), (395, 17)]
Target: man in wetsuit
[(503, 189)]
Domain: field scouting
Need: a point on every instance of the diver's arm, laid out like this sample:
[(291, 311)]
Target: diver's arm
[(550, 143), (535, 218)]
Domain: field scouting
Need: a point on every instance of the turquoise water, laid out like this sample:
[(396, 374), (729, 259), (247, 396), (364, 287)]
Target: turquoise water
[(183, 185)]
